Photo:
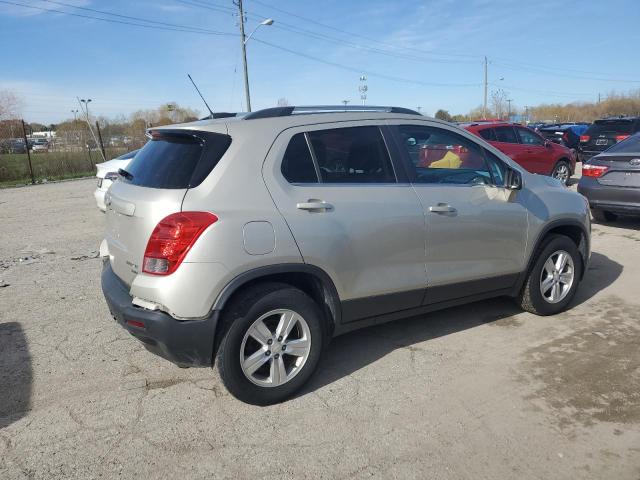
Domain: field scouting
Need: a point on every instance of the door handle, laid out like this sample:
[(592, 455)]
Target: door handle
[(442, 208), (313, 205)]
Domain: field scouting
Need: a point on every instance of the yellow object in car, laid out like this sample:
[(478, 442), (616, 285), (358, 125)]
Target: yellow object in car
[(450, 160)]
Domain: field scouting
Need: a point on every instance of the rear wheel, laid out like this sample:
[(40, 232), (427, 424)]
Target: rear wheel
[(272, 343), (554, 277), (603, 216), (562, 171)]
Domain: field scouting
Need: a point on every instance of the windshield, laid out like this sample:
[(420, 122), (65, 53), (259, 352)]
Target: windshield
[(630, 145)]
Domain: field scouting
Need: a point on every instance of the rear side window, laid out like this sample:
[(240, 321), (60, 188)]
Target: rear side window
[(297, 164), (506, 135), (624, 127), (176, 160), (488, 134), (352, 155)]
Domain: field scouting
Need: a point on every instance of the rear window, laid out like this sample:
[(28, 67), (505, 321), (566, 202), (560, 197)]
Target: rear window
[(630, 145), (506, 135), (610, 126), (176, 160)]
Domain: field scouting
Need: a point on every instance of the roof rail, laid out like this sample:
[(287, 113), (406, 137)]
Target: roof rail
[(287, 111)]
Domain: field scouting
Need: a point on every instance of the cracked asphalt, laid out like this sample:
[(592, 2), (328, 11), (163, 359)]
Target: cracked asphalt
[(483, 391)]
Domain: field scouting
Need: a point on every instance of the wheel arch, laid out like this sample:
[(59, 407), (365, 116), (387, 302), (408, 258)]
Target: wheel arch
[(572, 229), (312, 280)]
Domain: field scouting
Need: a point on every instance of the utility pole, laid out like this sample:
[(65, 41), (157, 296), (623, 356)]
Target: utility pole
[(244, 55), (509, 109), (484, 105), (345, 102), (598, 98)]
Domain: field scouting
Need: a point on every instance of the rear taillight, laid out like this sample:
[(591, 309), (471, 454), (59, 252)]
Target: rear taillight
[(593, 170), (565, 137), (619, 138), (172, 238), (584, 138)]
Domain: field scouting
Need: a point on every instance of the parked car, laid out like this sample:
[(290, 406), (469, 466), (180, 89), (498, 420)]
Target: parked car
[(611, 180), (107, 173), (250, 242), (13, 145), (567, 134), (604, 133), (528, 148), (40, 145)]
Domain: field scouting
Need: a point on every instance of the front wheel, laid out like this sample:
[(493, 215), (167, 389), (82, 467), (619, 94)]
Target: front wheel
[(553, 280), (562, 172), (271, 345)]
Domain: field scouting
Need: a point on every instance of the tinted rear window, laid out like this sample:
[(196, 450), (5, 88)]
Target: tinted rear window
[(174, 160), (488, 134), (506, 135), (630, 145), (610, 126)]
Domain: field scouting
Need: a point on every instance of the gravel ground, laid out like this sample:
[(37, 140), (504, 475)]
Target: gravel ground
[(481, 391)]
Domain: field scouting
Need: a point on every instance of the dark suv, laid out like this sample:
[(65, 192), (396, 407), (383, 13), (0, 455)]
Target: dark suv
[(604, 133)]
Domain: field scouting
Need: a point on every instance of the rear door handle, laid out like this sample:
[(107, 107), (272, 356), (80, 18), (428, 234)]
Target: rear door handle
[(313, 205), (442, 208)]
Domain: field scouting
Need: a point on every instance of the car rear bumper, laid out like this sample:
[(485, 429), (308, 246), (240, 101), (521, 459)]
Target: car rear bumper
[(98, 194), (187, 343), (613, 199)]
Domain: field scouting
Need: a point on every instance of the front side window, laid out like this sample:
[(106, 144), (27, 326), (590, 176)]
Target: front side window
[(442, 156), (506, 135), (352, 155), (527, 137)]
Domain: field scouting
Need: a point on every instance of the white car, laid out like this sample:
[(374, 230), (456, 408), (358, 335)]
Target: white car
[(107, 173)]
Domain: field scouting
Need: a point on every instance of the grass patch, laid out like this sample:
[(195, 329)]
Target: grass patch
[(14, 168)]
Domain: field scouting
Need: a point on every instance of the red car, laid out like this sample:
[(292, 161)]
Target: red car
[(527, 148)]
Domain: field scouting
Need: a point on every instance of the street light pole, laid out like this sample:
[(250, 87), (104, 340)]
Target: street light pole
[(509, 111), (243, 40)]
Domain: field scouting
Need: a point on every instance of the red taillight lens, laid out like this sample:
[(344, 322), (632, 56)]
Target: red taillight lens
[(171, 240), (593, 170), (584, 138), (619, 138)]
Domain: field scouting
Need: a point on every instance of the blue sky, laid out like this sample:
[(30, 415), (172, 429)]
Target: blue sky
[(415, 53)]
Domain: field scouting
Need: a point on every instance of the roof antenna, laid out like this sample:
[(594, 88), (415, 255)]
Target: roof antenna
[(198, 90)]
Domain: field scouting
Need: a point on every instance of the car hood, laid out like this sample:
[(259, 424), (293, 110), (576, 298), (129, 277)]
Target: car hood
[(110, 166)]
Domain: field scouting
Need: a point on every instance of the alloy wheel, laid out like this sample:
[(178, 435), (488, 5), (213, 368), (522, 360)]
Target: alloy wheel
[(557, 276), (275, 348)]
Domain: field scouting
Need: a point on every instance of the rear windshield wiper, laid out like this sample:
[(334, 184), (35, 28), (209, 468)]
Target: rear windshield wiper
[(125, 174)]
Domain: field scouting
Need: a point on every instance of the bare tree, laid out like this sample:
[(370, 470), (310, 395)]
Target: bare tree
[(10, 105), (499, 102)]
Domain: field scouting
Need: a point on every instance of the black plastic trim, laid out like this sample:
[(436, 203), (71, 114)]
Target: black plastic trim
[(186, 343), (584, 248), (444, 293), (359, 308), (331, 294)]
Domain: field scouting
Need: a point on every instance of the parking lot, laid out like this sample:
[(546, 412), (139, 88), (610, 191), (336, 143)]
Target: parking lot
[(480, 391)]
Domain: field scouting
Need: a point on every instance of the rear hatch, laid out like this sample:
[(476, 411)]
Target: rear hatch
[(554, 134), (605, 133), (622, 162), (153, 186)]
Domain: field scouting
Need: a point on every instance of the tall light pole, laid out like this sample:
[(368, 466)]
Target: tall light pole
[(345, 102), (86, 106), (244, 39), (509, 110), (363, 88), (75, 115)]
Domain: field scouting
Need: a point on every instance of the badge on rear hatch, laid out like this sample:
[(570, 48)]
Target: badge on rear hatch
[(634, 161)]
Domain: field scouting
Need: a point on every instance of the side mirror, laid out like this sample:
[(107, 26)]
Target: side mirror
[(513, 180)]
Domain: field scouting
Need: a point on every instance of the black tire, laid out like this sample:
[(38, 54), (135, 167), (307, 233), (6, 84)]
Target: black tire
[(531, 298), (602, 216), (562, 164), (240, 315)]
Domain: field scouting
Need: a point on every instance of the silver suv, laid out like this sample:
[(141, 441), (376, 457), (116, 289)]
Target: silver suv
[(251, 242)]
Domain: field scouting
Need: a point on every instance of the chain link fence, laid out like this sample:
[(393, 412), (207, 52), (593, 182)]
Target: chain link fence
[(35, 157)]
